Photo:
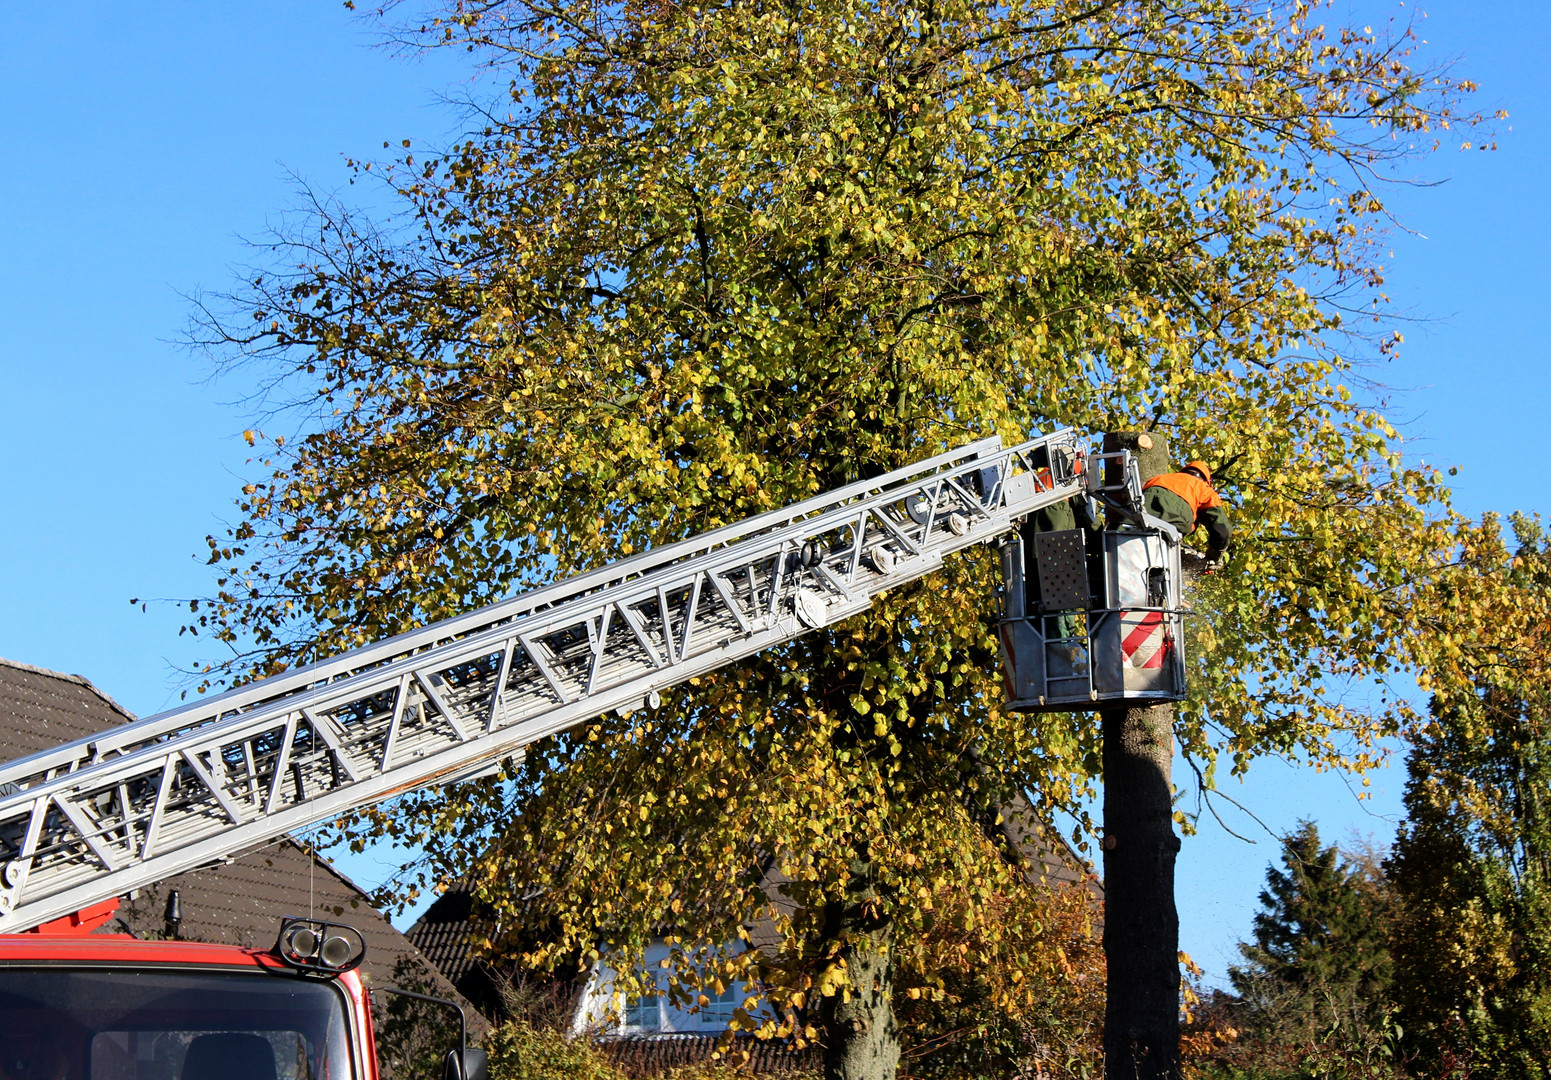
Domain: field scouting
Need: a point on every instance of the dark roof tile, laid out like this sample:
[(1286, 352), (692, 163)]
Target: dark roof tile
[(41, 709), (443, 933)]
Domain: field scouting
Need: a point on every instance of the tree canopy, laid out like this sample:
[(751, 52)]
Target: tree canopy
[(1322, 931), (1472, 863), (1459, 913), (700, 262)]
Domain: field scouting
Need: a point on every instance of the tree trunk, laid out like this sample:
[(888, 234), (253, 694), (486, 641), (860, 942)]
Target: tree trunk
[(1141, 925), (861, 1038)]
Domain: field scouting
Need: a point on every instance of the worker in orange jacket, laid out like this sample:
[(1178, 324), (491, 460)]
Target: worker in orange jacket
[(1186, 500)]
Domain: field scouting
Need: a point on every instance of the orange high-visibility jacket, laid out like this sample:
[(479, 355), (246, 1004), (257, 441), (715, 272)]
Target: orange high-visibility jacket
[(1195, 491), (1190, 502)]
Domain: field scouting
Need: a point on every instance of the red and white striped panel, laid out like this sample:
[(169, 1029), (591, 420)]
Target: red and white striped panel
[(1143, 641)]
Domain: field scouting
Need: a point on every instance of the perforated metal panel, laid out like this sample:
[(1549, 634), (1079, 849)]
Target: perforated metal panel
[(1063, 570)]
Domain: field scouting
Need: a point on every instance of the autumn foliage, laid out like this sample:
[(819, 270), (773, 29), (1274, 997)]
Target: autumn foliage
[(693, 263)]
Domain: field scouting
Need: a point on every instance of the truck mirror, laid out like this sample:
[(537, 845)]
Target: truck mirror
[(463, 1063), (467, 1064)]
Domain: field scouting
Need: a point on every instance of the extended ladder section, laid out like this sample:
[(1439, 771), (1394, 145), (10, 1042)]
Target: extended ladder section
[(102, 816)]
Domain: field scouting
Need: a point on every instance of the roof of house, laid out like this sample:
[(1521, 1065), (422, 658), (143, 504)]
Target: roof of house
[(1051, 860), (238, 902), (443, 934), (242, 902), (41, 709)]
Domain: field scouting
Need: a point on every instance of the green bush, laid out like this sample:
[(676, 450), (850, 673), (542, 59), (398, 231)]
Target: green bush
[(712, 1070), (519, 1051)]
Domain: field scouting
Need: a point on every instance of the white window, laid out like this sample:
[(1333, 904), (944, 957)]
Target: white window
[(718, 1013), (643, 1013)]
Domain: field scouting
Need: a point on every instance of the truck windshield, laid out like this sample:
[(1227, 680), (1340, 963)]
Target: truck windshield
[(64, 1024)]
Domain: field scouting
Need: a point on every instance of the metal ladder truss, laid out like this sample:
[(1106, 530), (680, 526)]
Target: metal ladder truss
[(159, 796)]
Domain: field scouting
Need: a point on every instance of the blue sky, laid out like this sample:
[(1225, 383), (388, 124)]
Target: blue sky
[(142, 143)]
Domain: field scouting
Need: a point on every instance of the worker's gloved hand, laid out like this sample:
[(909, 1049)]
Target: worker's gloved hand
[(1212, 564)]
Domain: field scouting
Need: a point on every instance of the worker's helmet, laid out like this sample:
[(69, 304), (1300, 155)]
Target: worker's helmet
[(1200, 467)]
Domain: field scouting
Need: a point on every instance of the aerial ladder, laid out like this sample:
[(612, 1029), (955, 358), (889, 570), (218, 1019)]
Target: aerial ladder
[(1088, 618)]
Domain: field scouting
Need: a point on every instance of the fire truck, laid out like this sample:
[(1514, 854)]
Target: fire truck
[(1089, 617)]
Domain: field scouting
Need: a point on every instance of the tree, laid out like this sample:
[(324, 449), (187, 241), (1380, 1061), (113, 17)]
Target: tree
[(1313, 992), (1472, 863), (1322, 936), (1025, 999), (705, 261)]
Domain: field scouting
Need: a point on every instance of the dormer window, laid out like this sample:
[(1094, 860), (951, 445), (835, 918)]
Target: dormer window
[(718, 1013), (644, 1014)]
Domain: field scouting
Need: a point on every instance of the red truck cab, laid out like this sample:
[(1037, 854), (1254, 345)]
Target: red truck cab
[(81, 1006), (105, 1007)]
